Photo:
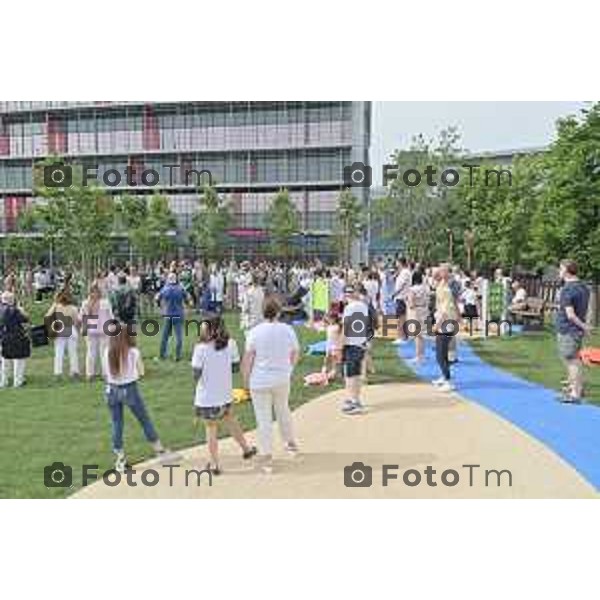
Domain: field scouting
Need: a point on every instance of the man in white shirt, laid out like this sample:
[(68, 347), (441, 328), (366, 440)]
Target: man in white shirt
[(356, 332)]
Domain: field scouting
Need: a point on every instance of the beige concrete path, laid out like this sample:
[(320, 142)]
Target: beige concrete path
[(408, 425)]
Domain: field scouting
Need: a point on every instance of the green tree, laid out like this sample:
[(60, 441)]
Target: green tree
[(283, 223), (567, 217), (497, 216), (210, 224), (416, 214), (159, 228), (350, 221), (77, 221), (133, 221)]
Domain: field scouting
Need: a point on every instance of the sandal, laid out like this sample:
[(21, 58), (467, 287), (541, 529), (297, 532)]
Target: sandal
[(216, 470), (251, 453)]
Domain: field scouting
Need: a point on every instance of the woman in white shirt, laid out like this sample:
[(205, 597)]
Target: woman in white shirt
[(123, 367), (417, 307), (214, 359), (272, 351)]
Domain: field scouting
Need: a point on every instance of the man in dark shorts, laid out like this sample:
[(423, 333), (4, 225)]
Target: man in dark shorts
[(356, 330), (571, 328)]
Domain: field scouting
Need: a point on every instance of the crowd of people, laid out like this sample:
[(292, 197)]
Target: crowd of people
[(346, 303)]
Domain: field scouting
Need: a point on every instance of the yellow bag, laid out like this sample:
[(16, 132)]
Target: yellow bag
[(240, 396)]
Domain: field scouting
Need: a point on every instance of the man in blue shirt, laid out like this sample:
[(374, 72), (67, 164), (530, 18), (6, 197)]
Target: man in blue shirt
[(172, 299), (571, 327)]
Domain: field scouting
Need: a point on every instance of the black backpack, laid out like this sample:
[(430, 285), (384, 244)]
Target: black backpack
[(125, 305)]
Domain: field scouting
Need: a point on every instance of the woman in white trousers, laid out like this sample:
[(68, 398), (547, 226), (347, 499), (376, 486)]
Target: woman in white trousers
[(63, 320), (96, 313), (272, 351)]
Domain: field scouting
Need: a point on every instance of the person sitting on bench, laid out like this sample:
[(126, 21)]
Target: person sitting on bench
[(519, 299)]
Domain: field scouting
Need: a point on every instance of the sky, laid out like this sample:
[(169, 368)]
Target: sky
[(484, 125)]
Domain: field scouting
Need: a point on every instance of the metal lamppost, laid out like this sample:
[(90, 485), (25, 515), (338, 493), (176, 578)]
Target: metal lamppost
[(469, 242), (450, 245)]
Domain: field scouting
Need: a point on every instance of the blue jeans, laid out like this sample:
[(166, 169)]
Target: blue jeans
[(117, 396), (170, 324)]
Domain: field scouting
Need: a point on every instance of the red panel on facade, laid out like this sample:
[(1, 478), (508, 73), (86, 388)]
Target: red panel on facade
[(57, 138), (4, 139), (136, 163), (151, 133)]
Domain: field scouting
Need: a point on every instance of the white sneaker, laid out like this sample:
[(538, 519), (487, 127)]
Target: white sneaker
[(347, 405), (439, 381), (357, 408), (121, 463), (292, 450), (447, 387)]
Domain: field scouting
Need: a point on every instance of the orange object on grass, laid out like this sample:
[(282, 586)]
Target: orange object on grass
[(590, 356)]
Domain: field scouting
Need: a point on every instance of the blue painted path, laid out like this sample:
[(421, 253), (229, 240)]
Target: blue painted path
[(572, 432)]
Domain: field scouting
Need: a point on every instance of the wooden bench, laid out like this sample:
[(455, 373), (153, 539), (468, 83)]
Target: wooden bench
[(532, 315)]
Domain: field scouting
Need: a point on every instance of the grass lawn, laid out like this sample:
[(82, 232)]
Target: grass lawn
[(534, 356), (51, 421)]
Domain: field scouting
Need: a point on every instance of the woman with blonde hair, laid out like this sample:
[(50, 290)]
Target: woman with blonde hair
[(63, 320), (96, 314)]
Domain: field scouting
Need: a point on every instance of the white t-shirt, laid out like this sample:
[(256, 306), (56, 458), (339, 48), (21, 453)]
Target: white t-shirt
[(130, 372), (468, 296), (112, 281), (372, 287), (93, 322), (520, 296), (403, 282), (38, 280), (215, 386), (135, 282), (355, 321), (337, 286), (273, 344)]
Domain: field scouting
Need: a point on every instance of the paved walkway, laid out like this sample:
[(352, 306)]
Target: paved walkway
[(572, 432), (409, 425)]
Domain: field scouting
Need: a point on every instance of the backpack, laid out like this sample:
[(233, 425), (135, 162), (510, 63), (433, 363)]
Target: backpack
[(125, 305)]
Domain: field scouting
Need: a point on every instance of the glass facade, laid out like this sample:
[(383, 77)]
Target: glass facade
[(251, 150)]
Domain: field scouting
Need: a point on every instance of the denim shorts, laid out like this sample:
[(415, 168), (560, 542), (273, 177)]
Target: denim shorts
[(212, 413), (568, 346), (352, 358)]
